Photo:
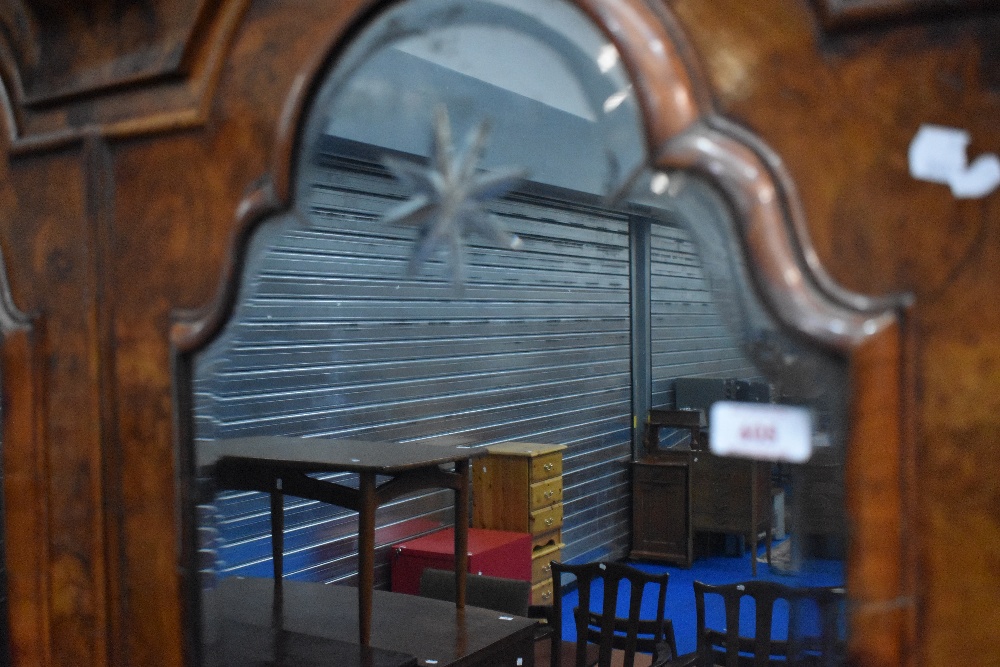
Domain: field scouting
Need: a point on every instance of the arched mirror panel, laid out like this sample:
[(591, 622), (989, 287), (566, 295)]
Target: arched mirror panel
[(500, 246)]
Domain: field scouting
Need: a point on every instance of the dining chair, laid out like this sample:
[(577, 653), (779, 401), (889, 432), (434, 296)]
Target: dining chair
[(618, 638), (821, 645)]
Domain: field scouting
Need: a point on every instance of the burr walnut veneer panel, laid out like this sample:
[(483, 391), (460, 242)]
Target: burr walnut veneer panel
[(141, 153)]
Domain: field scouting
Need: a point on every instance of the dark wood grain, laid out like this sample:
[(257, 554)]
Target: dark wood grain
[(341, 455), (27, 607), (124, 68), (840, 14), (245, 644), (841, 113), (423, 627), (96, 574)]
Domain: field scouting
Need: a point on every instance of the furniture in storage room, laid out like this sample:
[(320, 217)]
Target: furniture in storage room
[(517, 486), (661, 521), (495, 553), (739, 642), (682, 490), (642, 628), (433, 631), (661, 492), (731, 495), (280, 466)]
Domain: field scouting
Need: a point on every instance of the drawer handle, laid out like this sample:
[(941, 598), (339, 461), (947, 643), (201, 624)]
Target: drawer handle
[(548, 466), (546, 568), (546, 595), (549, 494), (548, 521)]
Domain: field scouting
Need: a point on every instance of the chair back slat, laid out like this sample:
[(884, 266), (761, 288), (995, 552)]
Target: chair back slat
[(603, 626), (732, 648)]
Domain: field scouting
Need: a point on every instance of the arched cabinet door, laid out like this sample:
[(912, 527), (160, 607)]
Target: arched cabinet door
[(495, 220)]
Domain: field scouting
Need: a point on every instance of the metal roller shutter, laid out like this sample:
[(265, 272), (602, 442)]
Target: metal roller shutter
[(687, 335), (331, 340)]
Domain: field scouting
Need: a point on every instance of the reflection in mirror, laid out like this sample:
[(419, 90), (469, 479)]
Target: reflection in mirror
[(471, 260)]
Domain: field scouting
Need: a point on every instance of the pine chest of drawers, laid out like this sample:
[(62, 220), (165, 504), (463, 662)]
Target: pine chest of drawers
[(517, 486)]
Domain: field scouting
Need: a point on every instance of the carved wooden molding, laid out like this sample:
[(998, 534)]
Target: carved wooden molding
[(192, 331), (161, 78), (692, 136), (802, 298), (24, 465), (12, 319), (684, 132)]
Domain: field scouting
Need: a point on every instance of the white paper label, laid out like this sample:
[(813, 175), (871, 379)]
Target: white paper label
[(760, 431), (937, 154)]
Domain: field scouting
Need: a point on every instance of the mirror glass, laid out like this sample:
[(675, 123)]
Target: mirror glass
[(479, 253)]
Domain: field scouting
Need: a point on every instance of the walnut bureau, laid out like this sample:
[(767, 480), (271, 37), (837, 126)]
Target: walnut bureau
[(517, 486)]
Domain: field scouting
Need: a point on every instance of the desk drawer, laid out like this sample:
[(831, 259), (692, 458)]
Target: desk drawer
[(541, 563), (541, 593), (545, 519), (546, 466), (546, 541), (546, 493)]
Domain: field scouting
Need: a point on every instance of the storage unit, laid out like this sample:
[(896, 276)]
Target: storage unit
[(494, 553), (518, 486), (731, 495), (682, 490), (661, 522)]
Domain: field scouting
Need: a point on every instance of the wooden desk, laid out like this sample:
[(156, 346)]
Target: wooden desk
[(280, 466), (682, 490), (433, 631)]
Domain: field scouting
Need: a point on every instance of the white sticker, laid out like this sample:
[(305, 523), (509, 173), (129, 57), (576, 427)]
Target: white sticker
[(938, 154), (981, 178), (760, 431)]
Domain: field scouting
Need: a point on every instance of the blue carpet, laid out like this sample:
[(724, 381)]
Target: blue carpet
[(716, 570)]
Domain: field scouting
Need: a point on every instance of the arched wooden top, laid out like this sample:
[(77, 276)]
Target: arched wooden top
[(682, 131), (657, 58), (792, 284)]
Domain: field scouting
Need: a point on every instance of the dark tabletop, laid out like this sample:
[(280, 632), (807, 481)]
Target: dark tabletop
[(336, 455), (431, 630), (243, 645)]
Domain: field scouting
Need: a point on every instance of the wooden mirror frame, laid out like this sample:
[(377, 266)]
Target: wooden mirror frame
[(841, 14), (682, 131)]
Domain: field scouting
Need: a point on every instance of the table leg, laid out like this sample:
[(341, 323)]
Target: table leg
[(461, 531), (277, 536), (366, 556)]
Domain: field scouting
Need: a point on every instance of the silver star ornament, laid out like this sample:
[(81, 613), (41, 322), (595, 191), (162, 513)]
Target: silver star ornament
[(449, 197)]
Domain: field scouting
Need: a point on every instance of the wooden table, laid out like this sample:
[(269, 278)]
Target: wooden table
[(434, 632), (281, 466), (244, 644)]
